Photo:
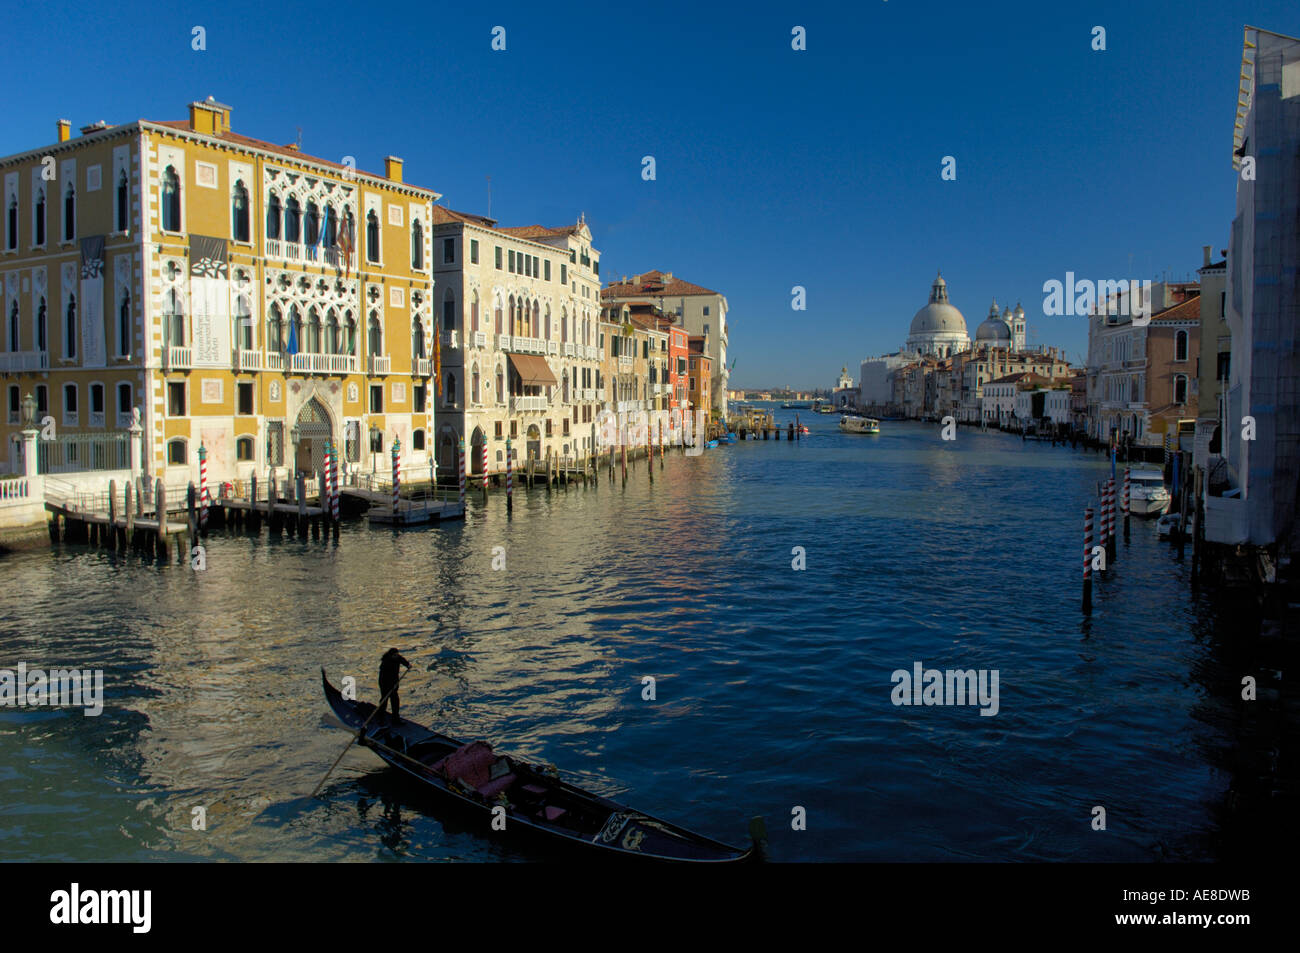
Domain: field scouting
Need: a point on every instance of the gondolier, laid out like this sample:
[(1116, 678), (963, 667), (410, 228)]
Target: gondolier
[(388, 677)]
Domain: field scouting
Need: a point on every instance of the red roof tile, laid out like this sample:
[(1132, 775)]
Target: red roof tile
[(652, 282)]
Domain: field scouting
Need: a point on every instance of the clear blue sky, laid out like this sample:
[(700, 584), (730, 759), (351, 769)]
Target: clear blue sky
[(775, 168)]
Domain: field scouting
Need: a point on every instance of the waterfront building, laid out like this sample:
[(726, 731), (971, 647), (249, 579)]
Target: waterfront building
[(701, 312), (519, 358), (986, 361), (700, 375), (679, 350), (1142, 374), (248, 299), (845, 396), (1215, 349), (875, 380), (1262, 306), (938, 329)]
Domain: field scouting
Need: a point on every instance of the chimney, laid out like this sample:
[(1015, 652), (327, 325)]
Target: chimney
[(393, 168), (94, 127), (1205, 251), (65, 130), (209, 117)]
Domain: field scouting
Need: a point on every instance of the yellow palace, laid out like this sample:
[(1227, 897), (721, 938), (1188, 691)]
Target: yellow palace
[(245, 297)]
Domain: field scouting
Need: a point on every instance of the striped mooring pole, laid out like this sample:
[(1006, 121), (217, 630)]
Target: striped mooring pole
[(1087, 561), (203, 487), (1126, 501), (1112, 499), (334, 483), (1103, 521), (510, 477), (484, 458), (397, 476), (460, 475)]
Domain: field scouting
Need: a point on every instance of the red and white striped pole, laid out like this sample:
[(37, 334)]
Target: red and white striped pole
[(334, 466), (203, 487), (510, 477), (1087, 560), (397, 476), (1126, 502), (461, 473), (1110, 526), (484, 457)]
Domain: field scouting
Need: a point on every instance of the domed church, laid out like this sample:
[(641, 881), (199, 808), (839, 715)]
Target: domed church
[(1006, 330), (938, 329)]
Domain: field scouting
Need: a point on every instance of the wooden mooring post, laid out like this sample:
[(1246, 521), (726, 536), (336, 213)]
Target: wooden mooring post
[(1087, 561)]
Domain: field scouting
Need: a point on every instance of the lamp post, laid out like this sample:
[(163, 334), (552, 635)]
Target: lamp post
[(30, 433), (376, 446), (29, 412)]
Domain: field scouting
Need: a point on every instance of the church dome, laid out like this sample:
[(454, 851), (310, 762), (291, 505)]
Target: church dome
[(993, 329), (938, 317)]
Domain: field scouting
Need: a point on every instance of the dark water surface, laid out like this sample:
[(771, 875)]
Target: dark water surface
[(773, 685)]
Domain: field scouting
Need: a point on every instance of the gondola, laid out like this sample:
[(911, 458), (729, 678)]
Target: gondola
[(533, 796)]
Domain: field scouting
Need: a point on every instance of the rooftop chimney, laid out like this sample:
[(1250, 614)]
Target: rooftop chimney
[(209, 117), (393, 168), (94, 127), (1205, 250), (65, 130)]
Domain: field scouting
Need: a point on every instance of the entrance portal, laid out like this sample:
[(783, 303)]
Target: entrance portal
[(314, 431)]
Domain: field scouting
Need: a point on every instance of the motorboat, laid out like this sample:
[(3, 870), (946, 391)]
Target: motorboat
[(1167, 526), (1147, 494), (852, 423)]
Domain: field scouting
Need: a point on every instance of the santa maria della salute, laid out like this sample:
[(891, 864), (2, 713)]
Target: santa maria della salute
[(939, 329)]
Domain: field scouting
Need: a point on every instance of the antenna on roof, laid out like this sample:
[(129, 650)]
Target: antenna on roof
[(489, 181), (298, 144)]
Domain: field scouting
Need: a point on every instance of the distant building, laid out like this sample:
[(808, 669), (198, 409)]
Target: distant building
[(845, 396), (938, 329)]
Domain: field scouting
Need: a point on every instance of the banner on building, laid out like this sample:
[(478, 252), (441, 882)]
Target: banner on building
[(210, 301), (91, 295)]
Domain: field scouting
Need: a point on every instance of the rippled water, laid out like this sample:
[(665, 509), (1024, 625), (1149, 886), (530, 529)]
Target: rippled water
[(773, 685)]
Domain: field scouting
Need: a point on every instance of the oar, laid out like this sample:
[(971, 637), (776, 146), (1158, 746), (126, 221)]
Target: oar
[(360, 731)]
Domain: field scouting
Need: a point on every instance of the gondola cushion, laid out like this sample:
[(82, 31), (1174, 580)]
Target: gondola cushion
[(472, 764)]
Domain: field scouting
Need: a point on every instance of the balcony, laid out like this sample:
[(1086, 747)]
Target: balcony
[(247, 360), (25, 361), (568, 349), (525, 345), (552, 347), (177, 358), (480, 339), (520, 404), (625, 360), (379, 365), (274, 361), (600, 393), (124, 420), (589, 393), (423, 367), (323, 364), (593, 353), (451, 339), (503, 342), (96, 419), (310, 254)]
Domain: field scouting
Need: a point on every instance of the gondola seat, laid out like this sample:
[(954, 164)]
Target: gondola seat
[(474, 764)]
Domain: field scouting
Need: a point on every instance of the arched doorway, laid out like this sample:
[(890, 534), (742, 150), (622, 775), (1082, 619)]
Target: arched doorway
[(475, 462), (448, 453), (534, 446), (313, 432)]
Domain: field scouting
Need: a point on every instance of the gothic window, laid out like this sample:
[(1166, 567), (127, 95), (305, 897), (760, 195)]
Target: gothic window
[(417, 245), (70, 329), (123, 203), (38, 223), (292, 220), (273, 218), (372, 237), (239, 213), (275, 329), (69, 213), (171, 200), (124, 325)]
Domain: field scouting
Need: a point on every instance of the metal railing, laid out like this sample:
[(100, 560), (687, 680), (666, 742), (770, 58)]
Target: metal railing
[(25, 361), (379, 364), (76, 453), (177, 358)]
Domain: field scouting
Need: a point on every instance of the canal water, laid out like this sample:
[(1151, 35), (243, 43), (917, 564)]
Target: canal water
[(772, 685)]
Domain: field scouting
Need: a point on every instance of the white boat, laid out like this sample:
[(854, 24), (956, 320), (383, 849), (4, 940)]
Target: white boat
[(852, 423), (1167, 526), (1146, 493)]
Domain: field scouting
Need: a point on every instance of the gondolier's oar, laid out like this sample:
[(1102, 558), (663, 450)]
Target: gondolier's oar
[(360, 731)]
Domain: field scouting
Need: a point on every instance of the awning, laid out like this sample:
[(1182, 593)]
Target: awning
[(533, 370)]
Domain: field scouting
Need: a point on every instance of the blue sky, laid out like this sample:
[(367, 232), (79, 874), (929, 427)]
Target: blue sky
[(775, 168)]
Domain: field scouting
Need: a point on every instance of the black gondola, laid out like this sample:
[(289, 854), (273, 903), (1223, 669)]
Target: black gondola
[(533, 796)]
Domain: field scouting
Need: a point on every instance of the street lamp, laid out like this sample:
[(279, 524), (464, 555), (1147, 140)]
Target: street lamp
[(29, 412)]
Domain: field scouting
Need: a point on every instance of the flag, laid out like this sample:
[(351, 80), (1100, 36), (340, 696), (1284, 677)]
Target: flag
[(292, 347), (437, 360), (324, 227)]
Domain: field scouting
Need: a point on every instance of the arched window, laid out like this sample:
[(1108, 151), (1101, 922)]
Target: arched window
[(38, 219), (243, 324), (535, 326), (313, 332), (42, 333), (239, 212), (176, 452), (273, 218), (372, 236), (349, 334), (564, 325), (173, 320), (11, 224), (498, 316), (547, 326), (564, 377), (331, 228), (123, 203), (376, 335), (312, 231), (13, 327), (449, 311), (275, 329), (171, 200), (292, 219), (473, 312), (244, 449), (332, 332), (1180, 345), (69, 213), (124, 401), (417, 245), (295, 326), (474, 395), (514, 320), (417, 440), (70, 329), (501, 385), (1180, 388), (417, 338), (124, 325), (449, 391)]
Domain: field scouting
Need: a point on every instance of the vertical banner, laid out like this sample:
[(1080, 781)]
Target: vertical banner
[(94, 349), (210, 301)]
